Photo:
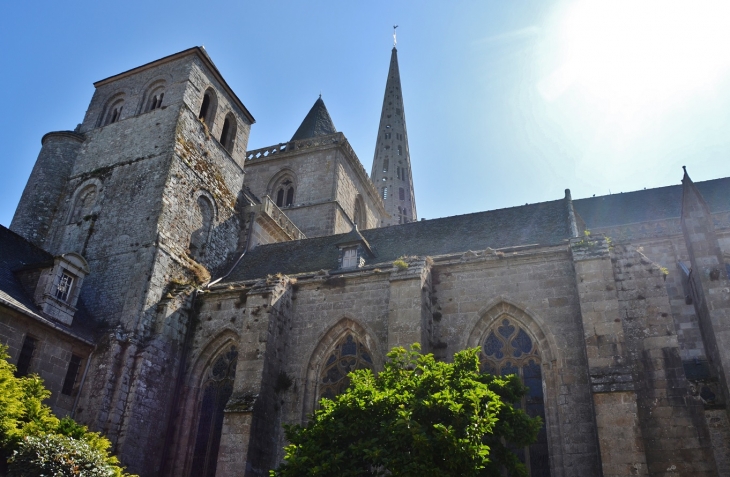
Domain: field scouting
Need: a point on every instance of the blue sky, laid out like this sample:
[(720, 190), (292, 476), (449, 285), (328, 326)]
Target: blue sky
[(506, 103)]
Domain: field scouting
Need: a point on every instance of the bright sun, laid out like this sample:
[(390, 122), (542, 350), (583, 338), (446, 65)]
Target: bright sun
[(629, 55)]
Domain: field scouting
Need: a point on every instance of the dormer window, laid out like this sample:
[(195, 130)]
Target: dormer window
[(58, 287), (349, 258), (63, 289)]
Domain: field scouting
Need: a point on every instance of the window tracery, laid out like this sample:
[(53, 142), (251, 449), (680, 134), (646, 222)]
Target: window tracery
[(216, 391), (508, 349), (285, 193), (348, 355)]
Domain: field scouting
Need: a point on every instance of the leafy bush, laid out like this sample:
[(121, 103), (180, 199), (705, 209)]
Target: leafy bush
[(35, 442), (418, 417), (59, 456)]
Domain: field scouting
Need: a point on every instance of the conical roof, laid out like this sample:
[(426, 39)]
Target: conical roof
[(317, 123)]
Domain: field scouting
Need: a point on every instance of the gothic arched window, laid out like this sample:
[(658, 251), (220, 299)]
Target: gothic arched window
[(348, 355), (216, 390), (85, 201), (508, 349)]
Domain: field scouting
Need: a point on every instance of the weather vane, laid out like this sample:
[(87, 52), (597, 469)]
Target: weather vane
[(394, 39)]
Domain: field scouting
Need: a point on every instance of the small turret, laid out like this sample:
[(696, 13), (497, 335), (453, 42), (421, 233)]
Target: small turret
[(40, 200)]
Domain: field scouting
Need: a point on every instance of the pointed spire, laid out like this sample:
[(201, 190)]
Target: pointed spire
[(317, 122), (391, 172)]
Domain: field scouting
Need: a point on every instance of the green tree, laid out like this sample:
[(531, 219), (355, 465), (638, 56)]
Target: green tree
[(418, 417), (34, 442)]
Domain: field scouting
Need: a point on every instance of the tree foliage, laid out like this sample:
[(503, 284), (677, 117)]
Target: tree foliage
[(34, 442), (418, 417)]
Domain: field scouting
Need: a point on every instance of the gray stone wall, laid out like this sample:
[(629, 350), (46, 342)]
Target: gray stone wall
[(51, 357)]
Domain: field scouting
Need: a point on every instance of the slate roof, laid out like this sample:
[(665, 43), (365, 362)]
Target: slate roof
[(648, 204), (545, 223), (16, 253), (317, 123)]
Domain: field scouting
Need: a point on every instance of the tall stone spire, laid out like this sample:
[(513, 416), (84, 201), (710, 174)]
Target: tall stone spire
[(391, 172)]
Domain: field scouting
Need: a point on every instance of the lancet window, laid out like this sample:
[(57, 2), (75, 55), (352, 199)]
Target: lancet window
[(508, 349), (348, 355), (216, 391)]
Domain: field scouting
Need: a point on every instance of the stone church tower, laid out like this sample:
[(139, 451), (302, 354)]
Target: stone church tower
[(391, 171)]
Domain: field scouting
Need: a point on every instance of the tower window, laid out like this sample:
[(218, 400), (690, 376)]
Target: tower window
[(114, 113), (387, 126), (385, 192), (400, 150), (385, 165), (387, 135), (71, 374), (208, 108), (63, 289), (26, 355), (402, 194), (228, 134)]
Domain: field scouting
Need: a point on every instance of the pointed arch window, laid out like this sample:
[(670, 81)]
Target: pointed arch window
[(348, 355), (386, 163), (508, 349), (216, 391)]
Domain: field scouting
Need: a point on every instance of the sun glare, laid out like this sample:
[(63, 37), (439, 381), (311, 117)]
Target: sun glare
[(630, 54)]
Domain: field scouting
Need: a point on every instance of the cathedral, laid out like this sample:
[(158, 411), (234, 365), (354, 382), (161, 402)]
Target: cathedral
[(186, 296)]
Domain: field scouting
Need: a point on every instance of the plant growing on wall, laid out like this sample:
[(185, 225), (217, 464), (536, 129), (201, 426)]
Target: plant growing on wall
[(418, 417)]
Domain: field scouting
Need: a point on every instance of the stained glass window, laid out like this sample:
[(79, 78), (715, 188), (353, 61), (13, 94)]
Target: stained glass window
[(349, 354), (217, 389), (508, 349)]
